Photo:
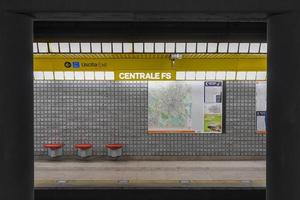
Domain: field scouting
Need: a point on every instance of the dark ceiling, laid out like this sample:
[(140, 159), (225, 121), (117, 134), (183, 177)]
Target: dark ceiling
[(150, 31)]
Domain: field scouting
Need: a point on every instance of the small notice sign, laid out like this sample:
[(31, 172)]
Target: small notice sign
[(261, 106), (260, 121)]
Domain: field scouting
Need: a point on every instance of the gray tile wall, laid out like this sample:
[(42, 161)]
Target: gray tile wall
[(241, 120), (101, 112)]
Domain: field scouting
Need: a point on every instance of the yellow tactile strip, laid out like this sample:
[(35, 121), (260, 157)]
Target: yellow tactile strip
[(150, 183)]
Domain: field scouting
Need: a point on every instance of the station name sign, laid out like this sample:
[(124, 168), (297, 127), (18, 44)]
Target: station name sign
[(148, 75)]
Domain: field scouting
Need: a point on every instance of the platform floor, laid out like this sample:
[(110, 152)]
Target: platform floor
[(151, 174)]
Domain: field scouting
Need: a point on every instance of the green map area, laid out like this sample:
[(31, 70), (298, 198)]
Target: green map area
[(170, 105)]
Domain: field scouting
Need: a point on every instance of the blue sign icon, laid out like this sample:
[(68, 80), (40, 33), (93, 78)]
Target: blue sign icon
[(76, 64)]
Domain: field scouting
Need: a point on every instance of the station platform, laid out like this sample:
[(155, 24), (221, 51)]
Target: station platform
[(153, 174)]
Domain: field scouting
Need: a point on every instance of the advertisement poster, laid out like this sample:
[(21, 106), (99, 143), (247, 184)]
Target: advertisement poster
[(261, 106), (213, 107), (213, 118)]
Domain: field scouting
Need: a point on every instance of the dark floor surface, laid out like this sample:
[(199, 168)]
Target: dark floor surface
[(151, 194)]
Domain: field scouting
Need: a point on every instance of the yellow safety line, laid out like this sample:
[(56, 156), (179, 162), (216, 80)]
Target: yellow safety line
[(150, 183)]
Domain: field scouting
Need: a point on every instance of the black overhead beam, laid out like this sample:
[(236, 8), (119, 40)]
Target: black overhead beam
[(150, 193), (80, 9), (149, 31)]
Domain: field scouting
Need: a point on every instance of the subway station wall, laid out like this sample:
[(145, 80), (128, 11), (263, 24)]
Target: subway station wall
[(102, 112)]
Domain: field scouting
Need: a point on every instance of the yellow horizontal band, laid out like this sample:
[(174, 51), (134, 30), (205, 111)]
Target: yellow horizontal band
[(149, 62)]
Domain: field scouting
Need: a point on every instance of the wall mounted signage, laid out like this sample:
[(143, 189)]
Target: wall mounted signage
[(145, 75), (261, 106), (213, 107), (83, 65)]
